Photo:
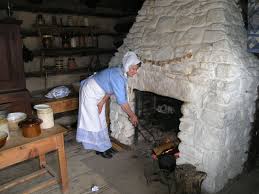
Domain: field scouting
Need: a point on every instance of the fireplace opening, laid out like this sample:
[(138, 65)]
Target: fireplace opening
[(159, 117), (159, 120)]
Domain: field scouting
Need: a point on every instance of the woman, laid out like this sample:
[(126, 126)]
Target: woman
[(92, 129)]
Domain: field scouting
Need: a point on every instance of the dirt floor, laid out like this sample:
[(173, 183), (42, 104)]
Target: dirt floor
[(125, 173), (246, 183), (116, 172)]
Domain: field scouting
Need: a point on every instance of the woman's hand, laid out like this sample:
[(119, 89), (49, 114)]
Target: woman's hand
[(100, 107), (134, 120), (102, 102), (132, 116)]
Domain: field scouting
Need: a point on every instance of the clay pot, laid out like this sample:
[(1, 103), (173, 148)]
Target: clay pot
[(30, 127), (3, 138)]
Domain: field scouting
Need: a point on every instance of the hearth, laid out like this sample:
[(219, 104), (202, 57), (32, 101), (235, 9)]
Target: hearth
[(159, 117)]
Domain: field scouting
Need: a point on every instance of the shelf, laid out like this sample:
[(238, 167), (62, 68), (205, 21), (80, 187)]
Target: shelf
[(95, 32), (57, 72), (29, 32), (52, 29), (49, 27), (86, 51)]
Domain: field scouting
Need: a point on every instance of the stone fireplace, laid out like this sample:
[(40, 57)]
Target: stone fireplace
[(195, 51)]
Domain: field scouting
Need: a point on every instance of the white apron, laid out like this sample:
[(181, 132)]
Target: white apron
[(92, 128)]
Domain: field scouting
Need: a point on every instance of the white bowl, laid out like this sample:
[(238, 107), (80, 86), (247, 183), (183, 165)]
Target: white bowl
[(16, 116)]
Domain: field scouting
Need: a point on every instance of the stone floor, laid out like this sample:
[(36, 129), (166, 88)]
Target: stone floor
[(124, 173)]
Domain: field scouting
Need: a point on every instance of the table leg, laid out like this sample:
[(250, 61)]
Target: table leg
[(62, 163), (42, 159)]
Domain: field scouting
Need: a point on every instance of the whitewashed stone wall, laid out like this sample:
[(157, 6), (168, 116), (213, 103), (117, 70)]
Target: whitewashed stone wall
[(218, 84)]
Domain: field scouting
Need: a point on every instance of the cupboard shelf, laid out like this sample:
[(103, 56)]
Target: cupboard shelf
[(55, 72), (69, 36), (52, 29), (31, 32), (85, 51)]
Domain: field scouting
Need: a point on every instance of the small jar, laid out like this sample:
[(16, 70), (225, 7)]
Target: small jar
[(69, 20), (54, 20), (86, 23), (82, 41), (40, 20), (61, 21), (59, 63), (89, 41), (71, 63), (47, 41), (66, 41), (45, 113), (57, 42), (73, 42)]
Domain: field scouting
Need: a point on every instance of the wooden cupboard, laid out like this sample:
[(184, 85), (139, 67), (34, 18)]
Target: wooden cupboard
[(13, 94)]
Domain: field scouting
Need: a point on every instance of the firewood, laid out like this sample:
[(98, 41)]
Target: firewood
[(160, 149), (170, 144)]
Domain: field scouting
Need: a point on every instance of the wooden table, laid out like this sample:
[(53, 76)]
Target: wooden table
[(19, 148)]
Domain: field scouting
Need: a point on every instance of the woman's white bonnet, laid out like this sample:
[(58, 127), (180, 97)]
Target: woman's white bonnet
[(130, 58)]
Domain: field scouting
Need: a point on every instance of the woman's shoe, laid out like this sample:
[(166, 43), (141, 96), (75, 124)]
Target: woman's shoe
[(104, 154), (112, 151)]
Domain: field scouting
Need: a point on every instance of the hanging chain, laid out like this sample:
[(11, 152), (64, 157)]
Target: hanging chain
[(175, 60)]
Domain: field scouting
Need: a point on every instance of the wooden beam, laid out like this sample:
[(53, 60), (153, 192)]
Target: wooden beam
[(22, 179), (48, 183), (66, 9)]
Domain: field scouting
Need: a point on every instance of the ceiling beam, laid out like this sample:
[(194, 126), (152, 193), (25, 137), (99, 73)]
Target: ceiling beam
[(66, 9)]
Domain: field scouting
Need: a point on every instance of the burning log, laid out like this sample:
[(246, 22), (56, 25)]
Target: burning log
[(166, 147), (160, 149)]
